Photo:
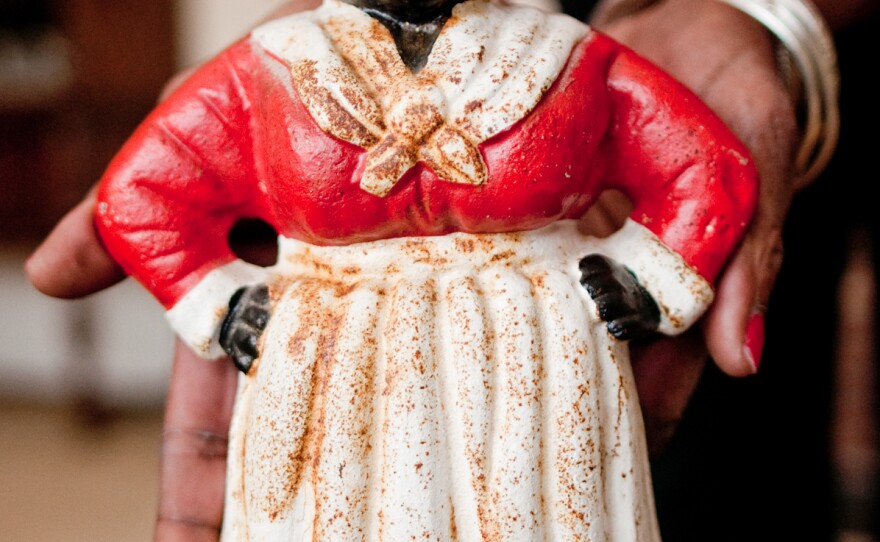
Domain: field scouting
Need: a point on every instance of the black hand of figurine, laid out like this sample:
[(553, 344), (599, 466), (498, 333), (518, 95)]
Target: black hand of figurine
[(628, 308), (244, 323)]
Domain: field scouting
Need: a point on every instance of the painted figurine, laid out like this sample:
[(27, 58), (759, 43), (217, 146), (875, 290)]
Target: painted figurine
[(439, 352)]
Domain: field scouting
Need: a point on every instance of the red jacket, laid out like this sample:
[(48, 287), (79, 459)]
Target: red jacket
[(236, 140)]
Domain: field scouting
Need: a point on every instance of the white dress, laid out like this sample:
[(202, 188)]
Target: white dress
[(442, 388)]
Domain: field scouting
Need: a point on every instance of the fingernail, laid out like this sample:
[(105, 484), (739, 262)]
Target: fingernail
[(754, 341)]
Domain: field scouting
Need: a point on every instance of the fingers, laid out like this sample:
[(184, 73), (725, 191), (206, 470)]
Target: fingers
[(734, 326), (736, 76), (764, 120), (666, 372), (197, 417), (71, 262)]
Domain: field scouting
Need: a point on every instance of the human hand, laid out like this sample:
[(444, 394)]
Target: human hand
[(72, 263), (728, 60)]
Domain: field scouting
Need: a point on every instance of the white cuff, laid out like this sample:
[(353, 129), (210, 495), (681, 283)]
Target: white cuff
[(680, 292), (196, 317)]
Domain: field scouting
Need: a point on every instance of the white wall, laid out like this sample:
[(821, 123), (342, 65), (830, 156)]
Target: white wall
[(114, 345), (205, 27)]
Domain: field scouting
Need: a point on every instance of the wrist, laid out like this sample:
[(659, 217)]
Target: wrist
[(808, 62)]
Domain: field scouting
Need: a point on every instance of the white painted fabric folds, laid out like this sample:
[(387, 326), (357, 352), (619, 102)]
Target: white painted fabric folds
[(440, 388)]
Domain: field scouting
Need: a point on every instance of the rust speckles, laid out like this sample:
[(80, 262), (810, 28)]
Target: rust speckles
[(487, 242), (341, 290), (464, 245), (453, 528), (375, 97), (420, 252), (313, 351), (386, 164), (278, 285), (220, 314), (309, 265), (409, 123), (351, 270), (506, 256), (473, 106), (417, 121), (454, 78), (674, 319), (454, 156), (360, 102), (490, 525), (461, 361), (322, 268), (453, 21), (335, 118), (531, 83)]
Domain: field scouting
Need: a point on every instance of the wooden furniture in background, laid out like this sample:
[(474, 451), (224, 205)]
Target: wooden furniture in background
[(56, 139)]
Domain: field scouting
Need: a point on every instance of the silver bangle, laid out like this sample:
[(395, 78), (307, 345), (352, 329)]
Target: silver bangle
[(806, 38)]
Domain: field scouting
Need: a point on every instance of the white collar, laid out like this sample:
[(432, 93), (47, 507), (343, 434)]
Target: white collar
[(488, 69)]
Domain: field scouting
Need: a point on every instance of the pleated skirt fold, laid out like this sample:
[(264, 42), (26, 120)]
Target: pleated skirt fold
[(453, 388)]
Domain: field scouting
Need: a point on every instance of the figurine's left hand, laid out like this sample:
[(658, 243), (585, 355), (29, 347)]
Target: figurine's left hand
[(728, 60), (629, 310)]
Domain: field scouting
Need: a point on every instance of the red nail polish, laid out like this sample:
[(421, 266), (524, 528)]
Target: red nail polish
[(754, 341)]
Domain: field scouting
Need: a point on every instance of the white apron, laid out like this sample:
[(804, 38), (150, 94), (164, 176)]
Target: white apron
[(439, 388)]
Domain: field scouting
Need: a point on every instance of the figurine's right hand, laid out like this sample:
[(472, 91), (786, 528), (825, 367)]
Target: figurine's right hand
[(244, 324)]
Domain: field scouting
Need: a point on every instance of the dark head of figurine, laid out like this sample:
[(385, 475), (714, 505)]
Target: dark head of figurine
[(408, 11)]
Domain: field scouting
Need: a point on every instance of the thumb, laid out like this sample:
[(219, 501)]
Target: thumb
[(71, 262)]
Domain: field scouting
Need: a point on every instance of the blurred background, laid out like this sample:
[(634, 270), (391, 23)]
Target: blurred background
[(82, 383)]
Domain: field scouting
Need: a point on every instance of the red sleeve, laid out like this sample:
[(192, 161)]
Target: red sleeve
[(169, 198), (692, 182)]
